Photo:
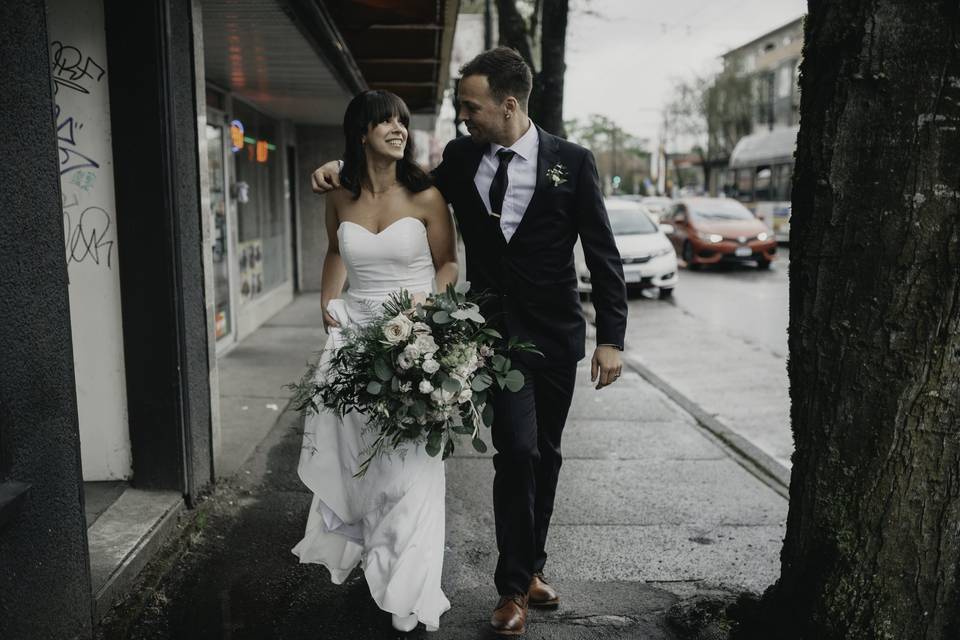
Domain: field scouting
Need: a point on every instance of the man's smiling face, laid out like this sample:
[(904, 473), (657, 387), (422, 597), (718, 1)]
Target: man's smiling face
[(483, 115)]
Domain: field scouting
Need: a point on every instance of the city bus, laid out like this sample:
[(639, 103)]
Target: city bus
[(760, 176)]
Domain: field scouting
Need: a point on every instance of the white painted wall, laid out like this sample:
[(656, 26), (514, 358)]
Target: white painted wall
[(79, 59)]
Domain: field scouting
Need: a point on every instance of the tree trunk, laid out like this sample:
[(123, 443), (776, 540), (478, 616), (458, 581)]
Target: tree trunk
[(512, 30), (553, 48), (546, 98), (872, 547)]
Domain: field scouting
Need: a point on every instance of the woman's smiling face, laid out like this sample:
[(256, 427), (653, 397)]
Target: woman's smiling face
[(388, 138)]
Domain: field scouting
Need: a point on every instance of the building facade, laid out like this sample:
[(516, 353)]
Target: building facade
[(157, 210), (772, 62), (753, 132)]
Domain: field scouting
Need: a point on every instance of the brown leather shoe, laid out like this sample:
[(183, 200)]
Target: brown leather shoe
[(541, 594), (510, 616)]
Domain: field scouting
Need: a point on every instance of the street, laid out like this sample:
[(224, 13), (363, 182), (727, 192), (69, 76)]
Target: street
[(722, 342)]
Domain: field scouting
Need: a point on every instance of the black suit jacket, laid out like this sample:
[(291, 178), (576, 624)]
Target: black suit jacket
[(533, 278)]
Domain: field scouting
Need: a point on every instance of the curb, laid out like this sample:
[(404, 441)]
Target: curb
[(756, 461)]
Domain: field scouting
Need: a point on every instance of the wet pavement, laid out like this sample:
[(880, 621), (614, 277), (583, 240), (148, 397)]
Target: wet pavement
[(721, 341), (651, 510)]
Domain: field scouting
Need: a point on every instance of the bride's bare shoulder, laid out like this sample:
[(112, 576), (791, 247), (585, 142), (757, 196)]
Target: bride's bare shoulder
[(429, 197), (340, 198)]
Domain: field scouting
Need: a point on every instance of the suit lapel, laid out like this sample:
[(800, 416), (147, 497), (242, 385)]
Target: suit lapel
[(471, 167), (548, 154)]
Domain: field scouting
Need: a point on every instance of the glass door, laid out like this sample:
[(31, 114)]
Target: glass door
[(219, 240)]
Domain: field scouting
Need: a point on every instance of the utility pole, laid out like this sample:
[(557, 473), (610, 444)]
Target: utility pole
[(613, 157)]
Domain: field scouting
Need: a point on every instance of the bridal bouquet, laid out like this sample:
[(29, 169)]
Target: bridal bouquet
[(418, 372)]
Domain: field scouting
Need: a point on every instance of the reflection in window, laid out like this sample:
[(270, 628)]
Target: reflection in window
[(261, 223)]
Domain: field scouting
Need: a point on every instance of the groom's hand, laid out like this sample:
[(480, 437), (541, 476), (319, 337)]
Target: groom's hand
[(326, 178), (606, 365)]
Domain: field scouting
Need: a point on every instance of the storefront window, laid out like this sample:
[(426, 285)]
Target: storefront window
[(220, 241), (261, 223)]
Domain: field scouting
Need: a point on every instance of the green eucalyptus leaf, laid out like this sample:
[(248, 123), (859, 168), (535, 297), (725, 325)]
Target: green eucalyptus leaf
[(451, 385), (382, 369), (487, 415), (441, 317), (448, 448), (434, 441), (481, 381), (514, 381), (418, 409), (374, 387), (479, 445)]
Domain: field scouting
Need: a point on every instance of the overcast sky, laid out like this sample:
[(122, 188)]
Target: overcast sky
[(623, 55)]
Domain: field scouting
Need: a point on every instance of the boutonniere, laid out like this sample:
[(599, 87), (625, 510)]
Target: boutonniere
[(557, 174)]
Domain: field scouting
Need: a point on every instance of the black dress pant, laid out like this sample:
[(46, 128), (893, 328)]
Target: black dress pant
[(526, 434)]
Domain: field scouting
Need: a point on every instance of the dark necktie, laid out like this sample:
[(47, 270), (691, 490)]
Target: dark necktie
[(498, 188)]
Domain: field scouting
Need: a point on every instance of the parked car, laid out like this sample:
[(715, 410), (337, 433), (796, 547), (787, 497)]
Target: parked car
[(712, 230), (648, 257), (657, 205)]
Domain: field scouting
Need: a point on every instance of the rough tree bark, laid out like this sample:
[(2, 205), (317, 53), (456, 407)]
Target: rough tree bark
[(872, 547), (546, 99)]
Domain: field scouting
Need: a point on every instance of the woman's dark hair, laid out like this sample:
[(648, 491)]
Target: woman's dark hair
[(367, 109), (507, 74)]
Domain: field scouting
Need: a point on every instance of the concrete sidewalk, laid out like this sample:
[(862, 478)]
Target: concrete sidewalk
[(651, 508)]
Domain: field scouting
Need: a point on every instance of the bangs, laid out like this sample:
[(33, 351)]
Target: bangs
[(380, 106)]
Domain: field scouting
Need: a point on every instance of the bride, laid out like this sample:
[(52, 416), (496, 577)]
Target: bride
[(388, 229)]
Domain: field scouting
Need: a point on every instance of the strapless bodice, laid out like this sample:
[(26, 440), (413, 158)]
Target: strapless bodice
[(380, 263)]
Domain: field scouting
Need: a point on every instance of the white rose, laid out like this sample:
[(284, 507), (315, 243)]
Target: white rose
[(486, 350), (421, 327), (398, 329), (426, 344), (431, 366), (465, 395), (405, 360), (413, 351), (425, 386), (472, 361)]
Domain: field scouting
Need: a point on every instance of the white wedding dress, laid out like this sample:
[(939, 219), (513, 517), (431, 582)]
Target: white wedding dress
[(390, 521)]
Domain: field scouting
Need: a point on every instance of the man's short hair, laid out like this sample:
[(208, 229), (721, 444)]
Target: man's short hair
[(507, 73)]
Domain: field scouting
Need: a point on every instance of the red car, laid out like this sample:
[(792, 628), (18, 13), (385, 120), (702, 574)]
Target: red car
[(713, 230)]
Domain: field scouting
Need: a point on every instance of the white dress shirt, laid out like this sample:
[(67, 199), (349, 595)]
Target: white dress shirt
[(521, 178)]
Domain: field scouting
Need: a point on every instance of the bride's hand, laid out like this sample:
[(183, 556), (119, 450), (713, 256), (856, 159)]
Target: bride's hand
[(329, 322), (419, 297)]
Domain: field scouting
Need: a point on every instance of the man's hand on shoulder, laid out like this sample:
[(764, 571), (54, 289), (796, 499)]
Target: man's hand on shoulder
[(326, 178), (605, 365)]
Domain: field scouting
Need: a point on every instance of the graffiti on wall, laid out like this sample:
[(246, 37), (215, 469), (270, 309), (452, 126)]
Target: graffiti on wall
[(78, 79), (86, 232), (72, 69)]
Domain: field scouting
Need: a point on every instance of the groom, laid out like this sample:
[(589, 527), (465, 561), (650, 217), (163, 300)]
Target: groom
[(522, 197)]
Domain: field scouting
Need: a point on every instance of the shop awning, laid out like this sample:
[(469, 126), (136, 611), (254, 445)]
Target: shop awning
[(402, 46), (765, 148), (304, 59)]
